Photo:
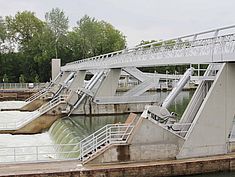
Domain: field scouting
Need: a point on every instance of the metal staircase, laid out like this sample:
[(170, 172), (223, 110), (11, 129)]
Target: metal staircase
[(34, 115), (86, 149), (110, 134)]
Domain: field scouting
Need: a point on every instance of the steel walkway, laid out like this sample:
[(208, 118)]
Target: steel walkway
[(216, 45)]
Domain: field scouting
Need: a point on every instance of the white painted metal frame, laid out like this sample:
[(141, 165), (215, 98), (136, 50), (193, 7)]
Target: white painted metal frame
[(107, 135), (24, 121), (174, 51)]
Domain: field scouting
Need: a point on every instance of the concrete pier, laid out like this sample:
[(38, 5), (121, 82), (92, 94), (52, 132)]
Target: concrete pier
[(150, 169)]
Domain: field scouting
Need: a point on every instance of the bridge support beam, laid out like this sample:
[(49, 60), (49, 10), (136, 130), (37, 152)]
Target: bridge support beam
[(209, 132), (109, 86), (55, 68), (78, 81)]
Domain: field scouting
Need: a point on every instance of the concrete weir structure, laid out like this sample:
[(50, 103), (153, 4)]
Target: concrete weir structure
[(200, 131), (203, 131)]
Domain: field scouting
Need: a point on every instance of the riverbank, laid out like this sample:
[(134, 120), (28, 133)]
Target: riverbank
[(150, 169)]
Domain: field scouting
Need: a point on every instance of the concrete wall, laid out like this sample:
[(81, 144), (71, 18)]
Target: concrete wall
[(55, 68), (38, 125), (41, 123), (32, 106), (108, 155), (213, 122), (152, 142), (148, 142), (109, 86), (147, 169), (95, 109)]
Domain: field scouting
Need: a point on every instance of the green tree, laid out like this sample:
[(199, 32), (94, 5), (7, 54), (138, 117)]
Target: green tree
[(22, 28), (92, 37), (5, 78), (3, 34), (58, 23), (22, 78), (36, 79), (35, 42), (32, 43)]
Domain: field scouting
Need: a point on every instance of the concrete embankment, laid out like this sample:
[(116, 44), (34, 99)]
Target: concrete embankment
[(150, 169), (9, 95)]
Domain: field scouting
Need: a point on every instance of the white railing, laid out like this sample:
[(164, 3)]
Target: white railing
[(127, 99), (182, 127), (33, 153), (21, 86), (41, 92), (14, 125), (51, 104), (36, 95), (197, 99), (33, 115), (173, 48), (108, 135)]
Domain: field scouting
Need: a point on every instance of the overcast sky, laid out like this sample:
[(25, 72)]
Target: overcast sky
[(138, 19)]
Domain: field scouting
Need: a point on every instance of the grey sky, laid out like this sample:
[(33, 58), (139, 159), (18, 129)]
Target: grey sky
[(138, 19)]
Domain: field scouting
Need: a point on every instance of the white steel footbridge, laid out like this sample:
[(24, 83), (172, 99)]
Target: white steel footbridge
[(204, 128)]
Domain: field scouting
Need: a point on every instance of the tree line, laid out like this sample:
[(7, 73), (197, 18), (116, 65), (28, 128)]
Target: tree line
[(27, 43)]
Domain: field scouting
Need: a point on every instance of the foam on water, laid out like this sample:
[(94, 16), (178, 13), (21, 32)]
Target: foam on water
[(21, 148), (8, 140), (12, 104), (12, 116)]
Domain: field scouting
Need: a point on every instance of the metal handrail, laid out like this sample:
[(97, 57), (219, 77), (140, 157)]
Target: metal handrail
[(36, 95), (107, 135), (20, 123), (178, 43)]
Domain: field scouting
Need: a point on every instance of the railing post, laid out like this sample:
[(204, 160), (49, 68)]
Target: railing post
[(37, 153), (93, 142), (106, 134), (81, 152), (14, 154), (96, 146)]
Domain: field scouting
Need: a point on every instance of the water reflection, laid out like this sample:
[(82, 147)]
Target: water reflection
[(181, 102), (75, 128)]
